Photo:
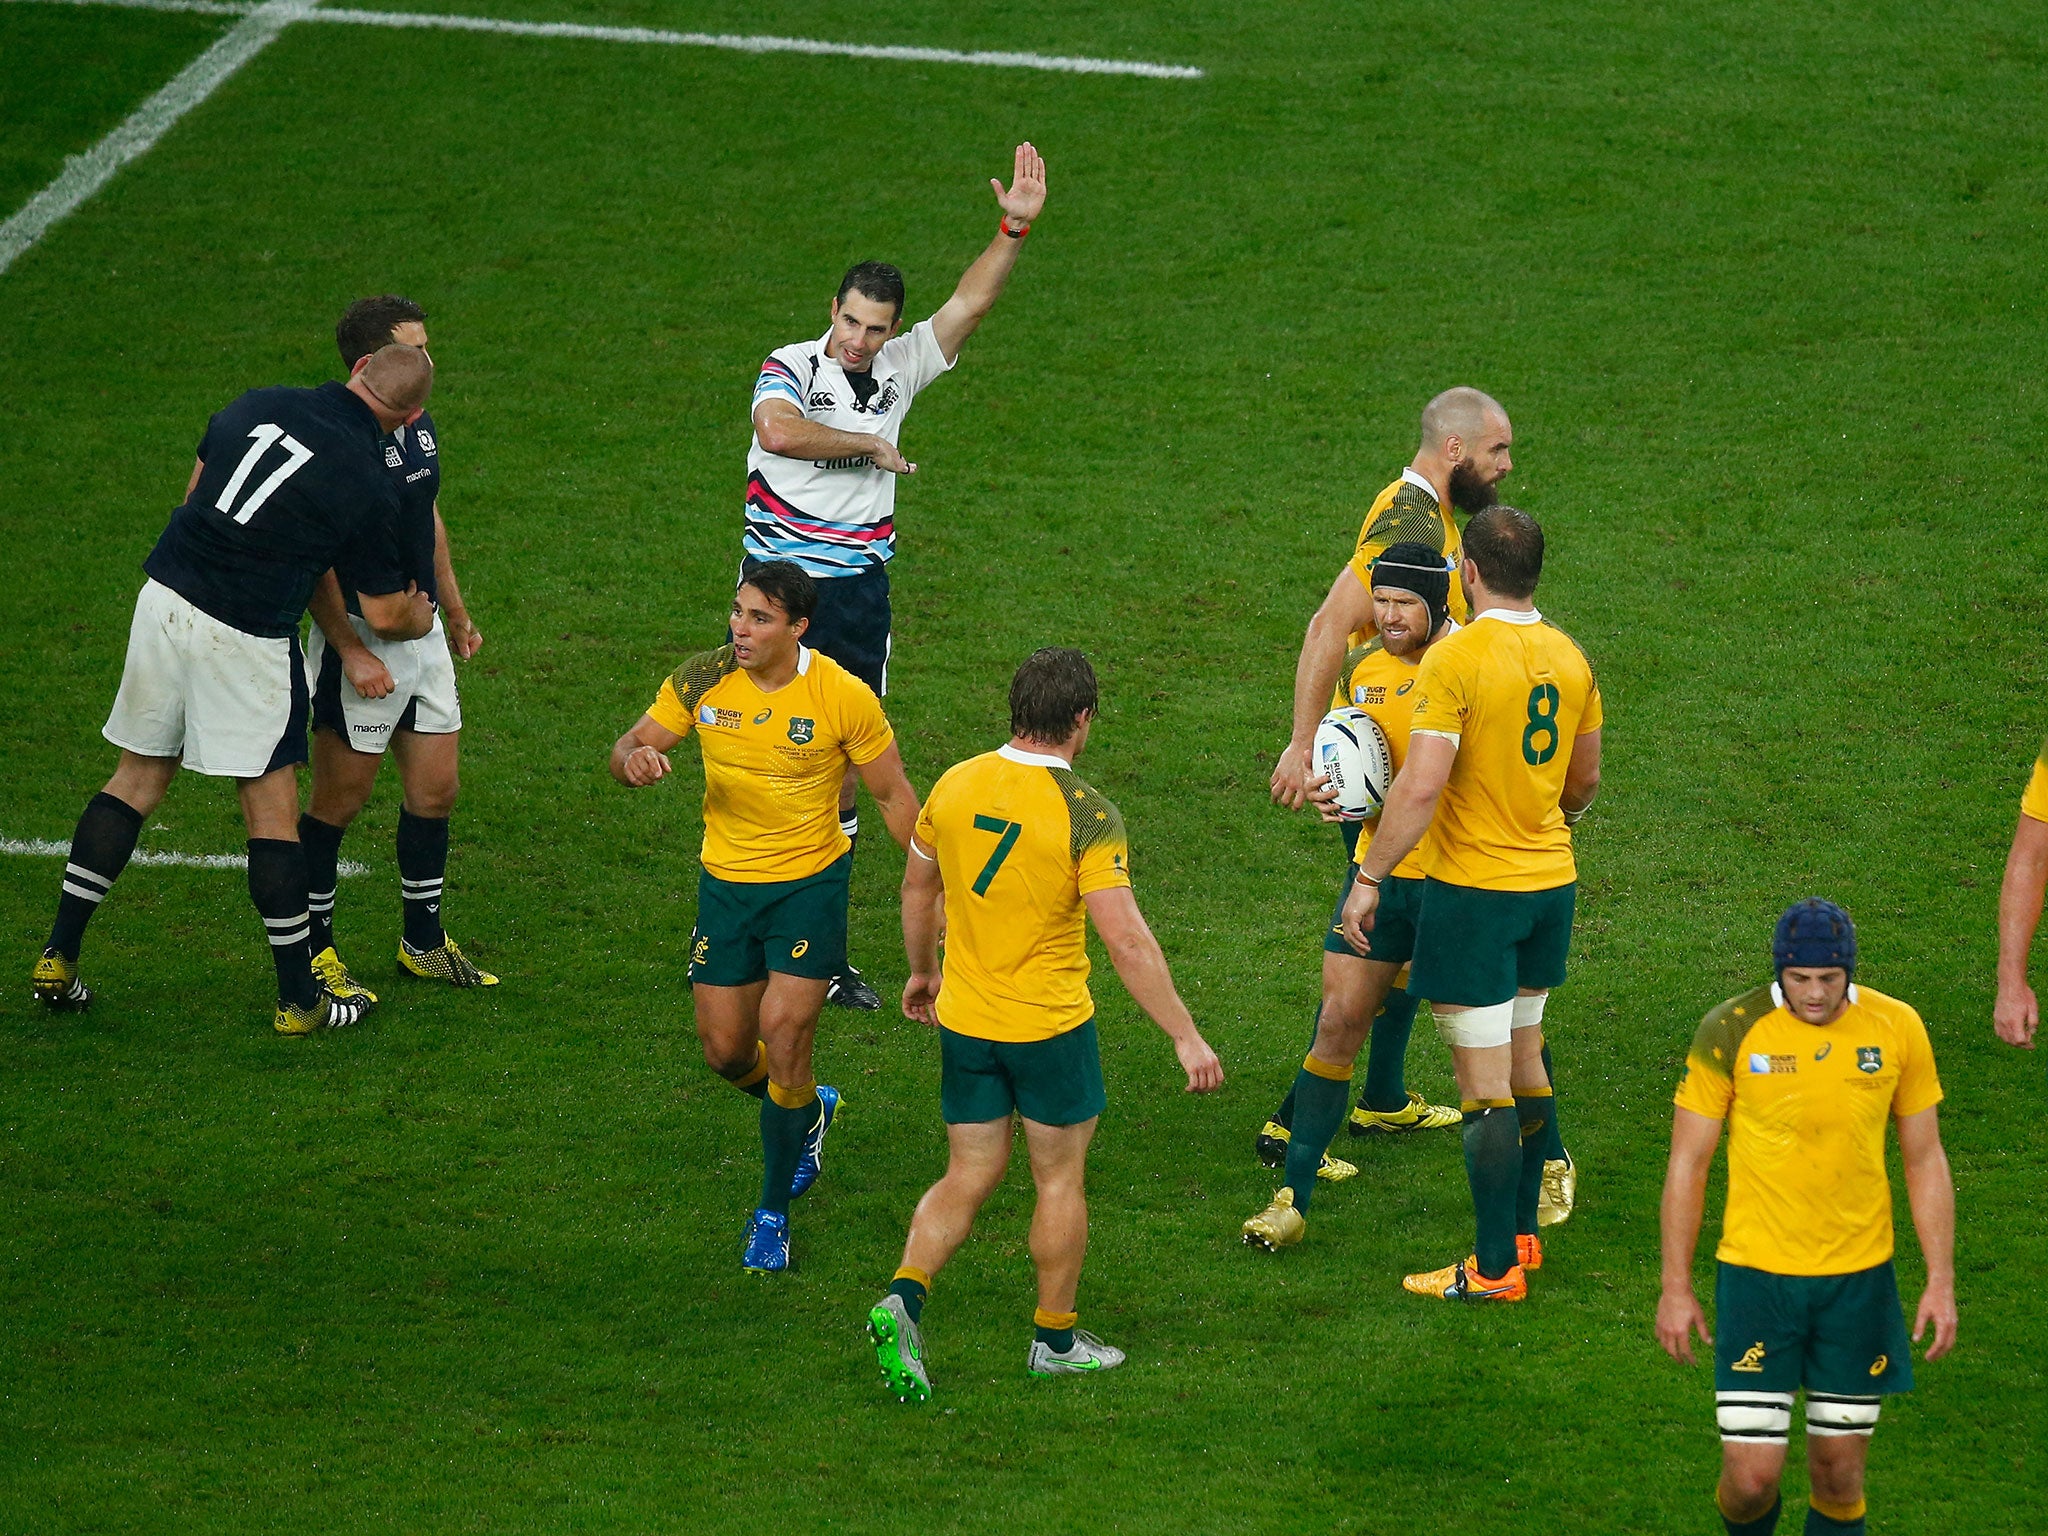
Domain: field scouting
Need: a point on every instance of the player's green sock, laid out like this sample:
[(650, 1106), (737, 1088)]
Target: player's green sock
[(787, 1115), (1762, 1525), (1322, 1092), (1553, 1139), (1533, 1110), (1285, 1113), (913, 1285), (1825, 1519), (1055, 1329), (1493, 1164), (1386, 1054)]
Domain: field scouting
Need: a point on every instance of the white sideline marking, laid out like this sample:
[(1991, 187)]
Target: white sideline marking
[(85, 174), (38, 848)]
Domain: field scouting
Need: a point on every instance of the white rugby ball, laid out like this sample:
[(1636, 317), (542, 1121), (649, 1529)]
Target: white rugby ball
[(1352, 750)]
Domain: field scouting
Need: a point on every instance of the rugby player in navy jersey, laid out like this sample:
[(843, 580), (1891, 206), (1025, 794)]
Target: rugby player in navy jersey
[(371, 695), (822, 468), (288, 481)]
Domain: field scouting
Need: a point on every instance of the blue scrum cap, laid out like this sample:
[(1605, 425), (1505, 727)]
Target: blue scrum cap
[(1814, 934)]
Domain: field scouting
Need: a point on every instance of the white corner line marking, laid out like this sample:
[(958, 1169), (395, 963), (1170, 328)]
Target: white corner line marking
[(39, 848), (85, 174)]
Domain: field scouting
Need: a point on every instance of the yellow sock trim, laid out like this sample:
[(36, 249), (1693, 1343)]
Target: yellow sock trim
[(1044, 1319), (793, 1098), (1535, 1093), (912, 1272), (758, 1071), (1845, 1513), (1329, 1071), (1473, 1106)]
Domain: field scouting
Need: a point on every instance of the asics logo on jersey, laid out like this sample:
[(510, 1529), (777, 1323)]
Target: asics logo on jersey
[(1877, 1366), (762, 718), (799, 949), (1822, 1053)]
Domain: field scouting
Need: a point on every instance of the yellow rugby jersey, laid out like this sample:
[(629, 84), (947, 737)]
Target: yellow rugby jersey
[(1408, 510), (773, 762), (1516, 692), (1806, 1106), (1020, 840), (1382, 685), (2034, 803)]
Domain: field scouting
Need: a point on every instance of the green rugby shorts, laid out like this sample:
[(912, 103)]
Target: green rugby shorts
[(1392, 938), (1476, 948), (744, 930), (1836, 1334), (1055, 1082)]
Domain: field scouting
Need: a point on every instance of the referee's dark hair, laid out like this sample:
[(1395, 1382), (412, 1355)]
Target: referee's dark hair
[(367, 325), (876, 280), (1507, 546), (1050, 693), (785, 584)]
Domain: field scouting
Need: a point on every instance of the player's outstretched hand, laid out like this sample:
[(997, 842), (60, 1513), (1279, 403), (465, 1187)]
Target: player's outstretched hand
[(1290, 778), (2016, 1016), (1205, 1072), (888, 456), (644, 766), (1678, 1318), (1937, 1306), (921, 999), (370, 678), (464, 638), (1027, 188), (1359, 907)]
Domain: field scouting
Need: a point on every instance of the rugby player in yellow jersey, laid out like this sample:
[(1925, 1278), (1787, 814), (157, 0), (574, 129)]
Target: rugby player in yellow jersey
[(778, 725), (2017, 1014), (1806, 1072), (1503, 755), (1410, 593), (1016, 853)]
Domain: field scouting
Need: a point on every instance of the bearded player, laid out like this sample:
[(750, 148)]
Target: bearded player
[(778, 725), (822, 470)]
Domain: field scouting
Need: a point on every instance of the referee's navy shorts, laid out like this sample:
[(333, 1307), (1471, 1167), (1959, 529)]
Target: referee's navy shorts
[(852, 622)]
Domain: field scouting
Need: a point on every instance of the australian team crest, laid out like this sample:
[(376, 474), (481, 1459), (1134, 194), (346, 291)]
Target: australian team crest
[(802, 730), (1869, 1058)]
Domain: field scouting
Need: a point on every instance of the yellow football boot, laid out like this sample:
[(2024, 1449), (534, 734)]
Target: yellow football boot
[(1272, 1150), (1278, 1226), (1463, 1282), (334, 976), (444, 963), (1418, 1114), (1560, 1191), (327, 1012), (57, 986)]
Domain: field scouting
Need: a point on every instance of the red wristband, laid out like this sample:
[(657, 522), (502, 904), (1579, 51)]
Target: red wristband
[(1015, 234)]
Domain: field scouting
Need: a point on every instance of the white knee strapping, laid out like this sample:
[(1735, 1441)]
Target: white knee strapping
[(1759, 1417), (1529, 1010), (1828, 1413), (1477, 1028)]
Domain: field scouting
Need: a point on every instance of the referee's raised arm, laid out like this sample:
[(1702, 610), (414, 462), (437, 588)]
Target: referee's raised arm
[(982, 284)]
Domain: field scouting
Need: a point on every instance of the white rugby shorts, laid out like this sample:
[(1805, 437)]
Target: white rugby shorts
[(231, 704), (423, 698)]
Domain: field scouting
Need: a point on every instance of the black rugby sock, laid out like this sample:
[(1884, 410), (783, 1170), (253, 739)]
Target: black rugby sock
[(100, 849), (277, 884), (422, 870), (322, 843), (1493, 1162)]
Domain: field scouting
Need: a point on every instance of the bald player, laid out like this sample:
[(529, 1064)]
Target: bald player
[(289, 481)]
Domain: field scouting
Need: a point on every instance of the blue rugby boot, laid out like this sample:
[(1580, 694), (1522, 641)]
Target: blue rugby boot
[(767, 1250), (812, 1163)]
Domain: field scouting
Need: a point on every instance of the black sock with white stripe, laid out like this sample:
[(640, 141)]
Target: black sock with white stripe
[(322, 843), (422, 866), (100, 850), (849, 823), (277, 884)]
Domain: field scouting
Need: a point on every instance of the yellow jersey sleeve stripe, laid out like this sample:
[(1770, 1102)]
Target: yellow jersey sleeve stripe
[(2034, 804)]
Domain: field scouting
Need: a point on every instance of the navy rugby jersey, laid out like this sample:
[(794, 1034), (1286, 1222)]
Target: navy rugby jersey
[(412, 458), (291, 480)]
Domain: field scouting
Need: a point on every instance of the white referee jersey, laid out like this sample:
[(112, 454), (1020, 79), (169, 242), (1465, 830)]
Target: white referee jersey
[(835, 517)]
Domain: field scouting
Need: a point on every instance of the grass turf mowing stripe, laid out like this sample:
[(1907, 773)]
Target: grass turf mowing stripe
[(42, 848), (87, 173)]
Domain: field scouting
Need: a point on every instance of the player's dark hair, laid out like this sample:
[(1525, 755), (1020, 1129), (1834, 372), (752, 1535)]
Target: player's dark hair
[(367, 325), (1507, 546), (785, 584), (1049, 693), (875, 280)]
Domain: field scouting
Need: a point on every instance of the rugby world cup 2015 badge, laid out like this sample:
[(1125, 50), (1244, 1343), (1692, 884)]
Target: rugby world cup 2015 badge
[(1869, 1058), (802, 730)]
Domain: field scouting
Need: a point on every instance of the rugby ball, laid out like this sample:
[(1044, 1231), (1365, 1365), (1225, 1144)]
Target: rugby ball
[(1351, 749)]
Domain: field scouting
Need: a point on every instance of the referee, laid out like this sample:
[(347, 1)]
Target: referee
[(821, 473)]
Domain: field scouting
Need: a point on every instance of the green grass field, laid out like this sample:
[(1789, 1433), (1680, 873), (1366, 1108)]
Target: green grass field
[(1759, 285)]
